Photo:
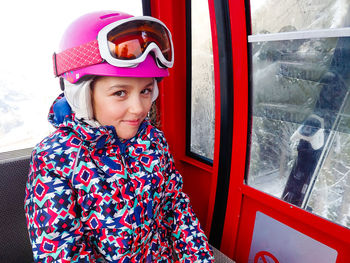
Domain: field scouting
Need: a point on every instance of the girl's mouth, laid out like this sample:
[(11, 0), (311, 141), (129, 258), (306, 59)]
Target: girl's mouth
[(132, 122)]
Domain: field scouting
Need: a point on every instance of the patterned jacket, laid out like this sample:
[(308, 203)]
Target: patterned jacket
[(93, 198)]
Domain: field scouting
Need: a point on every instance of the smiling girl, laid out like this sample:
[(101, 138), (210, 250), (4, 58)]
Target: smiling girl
[(122, 102), (103, 187)]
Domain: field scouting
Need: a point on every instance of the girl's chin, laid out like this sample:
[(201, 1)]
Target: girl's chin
[(127, 134)]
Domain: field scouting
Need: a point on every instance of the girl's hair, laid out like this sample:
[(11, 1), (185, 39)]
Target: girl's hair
[(154, 116)]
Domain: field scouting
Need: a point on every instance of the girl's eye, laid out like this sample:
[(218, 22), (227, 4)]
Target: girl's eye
[(146, 91), (120, 93)]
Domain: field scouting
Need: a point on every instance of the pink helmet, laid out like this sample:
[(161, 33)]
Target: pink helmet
[(86, 47)]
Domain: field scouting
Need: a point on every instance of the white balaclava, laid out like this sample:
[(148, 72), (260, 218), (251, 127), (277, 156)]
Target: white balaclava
[(78, 96)]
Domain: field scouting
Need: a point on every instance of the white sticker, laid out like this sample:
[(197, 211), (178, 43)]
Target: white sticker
[(274, 242)]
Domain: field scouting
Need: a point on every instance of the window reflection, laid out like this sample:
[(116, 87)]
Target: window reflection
[(301, 124)]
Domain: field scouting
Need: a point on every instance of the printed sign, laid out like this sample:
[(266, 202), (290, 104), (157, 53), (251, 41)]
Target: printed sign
[(274, 242), (265, 257)]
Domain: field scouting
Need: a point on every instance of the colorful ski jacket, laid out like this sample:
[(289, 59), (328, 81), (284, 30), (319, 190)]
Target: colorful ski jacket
[(93, 198)]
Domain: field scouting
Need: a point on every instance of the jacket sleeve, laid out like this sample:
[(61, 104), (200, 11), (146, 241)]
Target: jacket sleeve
[(52, 213), (189, 241)]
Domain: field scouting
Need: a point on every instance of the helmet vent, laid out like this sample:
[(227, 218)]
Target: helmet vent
[(109, 15)]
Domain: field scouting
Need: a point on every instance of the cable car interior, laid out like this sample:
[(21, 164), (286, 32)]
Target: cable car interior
[(256, 111)]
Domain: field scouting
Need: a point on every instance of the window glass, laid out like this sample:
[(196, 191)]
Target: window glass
[(300, 137), (272, 16), (202, 92), (31, 31)]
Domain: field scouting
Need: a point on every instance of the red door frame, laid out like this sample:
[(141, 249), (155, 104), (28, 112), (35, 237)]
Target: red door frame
[(199, 178), (245, 201), (240, 124)]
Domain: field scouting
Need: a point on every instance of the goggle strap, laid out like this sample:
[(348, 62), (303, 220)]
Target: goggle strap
[(77, 57)]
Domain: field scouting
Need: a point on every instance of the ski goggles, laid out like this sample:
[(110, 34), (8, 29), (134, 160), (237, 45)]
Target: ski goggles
[(124, 43)]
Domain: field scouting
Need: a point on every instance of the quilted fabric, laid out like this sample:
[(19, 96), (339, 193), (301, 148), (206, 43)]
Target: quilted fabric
[(77, 57), (93, 198)]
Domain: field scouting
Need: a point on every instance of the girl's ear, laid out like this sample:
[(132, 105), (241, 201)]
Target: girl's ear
[(153, 116)]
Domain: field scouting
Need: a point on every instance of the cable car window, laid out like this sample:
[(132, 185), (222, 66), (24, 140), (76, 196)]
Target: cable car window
[(300, 135), (272, 16), (201, 83), (27, 85)]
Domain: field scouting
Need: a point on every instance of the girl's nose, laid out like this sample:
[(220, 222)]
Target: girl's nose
[(136, 105)]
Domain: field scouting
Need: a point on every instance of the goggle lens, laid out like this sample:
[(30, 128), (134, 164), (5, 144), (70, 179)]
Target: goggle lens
[(130, 40)]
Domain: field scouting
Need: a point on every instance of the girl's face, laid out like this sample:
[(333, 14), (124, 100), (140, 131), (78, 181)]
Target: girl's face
[(122, 103)]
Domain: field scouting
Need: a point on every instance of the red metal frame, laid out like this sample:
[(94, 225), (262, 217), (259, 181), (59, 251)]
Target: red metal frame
[(244, 201), (213, 182), (240, 120), (326, 232)]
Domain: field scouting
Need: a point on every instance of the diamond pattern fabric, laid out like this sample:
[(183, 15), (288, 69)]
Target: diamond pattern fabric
[(118, 202), (77, 57)]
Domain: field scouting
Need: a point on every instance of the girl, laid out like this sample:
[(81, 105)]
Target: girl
[(103, 187)]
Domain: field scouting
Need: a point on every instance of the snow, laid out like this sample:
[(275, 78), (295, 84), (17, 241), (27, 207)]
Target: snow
[(31, 32)]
